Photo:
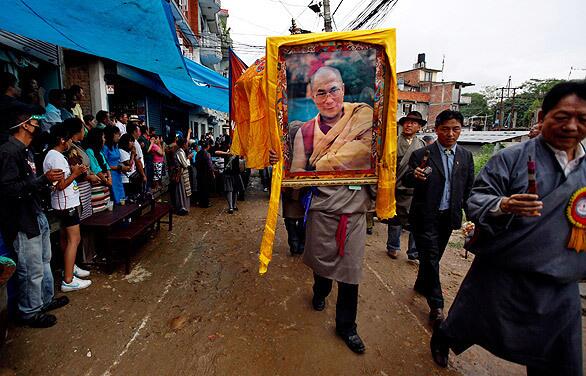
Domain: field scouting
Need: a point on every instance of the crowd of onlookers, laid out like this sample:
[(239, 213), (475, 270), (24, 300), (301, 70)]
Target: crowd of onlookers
[(57, 161)]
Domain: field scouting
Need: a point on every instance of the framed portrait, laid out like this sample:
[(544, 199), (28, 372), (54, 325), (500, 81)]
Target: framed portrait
[(331, 110), (331, 116)]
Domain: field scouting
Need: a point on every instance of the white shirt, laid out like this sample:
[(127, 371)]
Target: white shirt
[(69, 197), (122, 127), (125, 157), (562, 158), (139, 155)]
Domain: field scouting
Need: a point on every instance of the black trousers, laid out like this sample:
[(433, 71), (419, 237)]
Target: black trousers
[(431, 243), (346, 306), (203, 194), (295, 234)]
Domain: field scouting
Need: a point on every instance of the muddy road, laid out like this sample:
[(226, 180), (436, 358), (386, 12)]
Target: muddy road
[(194, 304)]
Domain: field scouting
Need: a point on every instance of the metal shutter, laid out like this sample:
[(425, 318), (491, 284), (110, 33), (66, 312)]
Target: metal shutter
[(154, 114)]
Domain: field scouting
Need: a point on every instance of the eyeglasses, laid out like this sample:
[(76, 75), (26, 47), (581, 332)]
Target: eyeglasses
[(322, 95)]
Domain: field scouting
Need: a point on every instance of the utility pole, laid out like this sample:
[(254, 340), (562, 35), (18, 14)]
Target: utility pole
[(513, 109), (327, 16), (501, 109), (508, 88)]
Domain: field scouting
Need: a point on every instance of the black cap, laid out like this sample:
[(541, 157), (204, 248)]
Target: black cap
[(415, 116)]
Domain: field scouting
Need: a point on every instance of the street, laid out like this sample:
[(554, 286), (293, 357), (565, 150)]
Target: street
[(194, 304)]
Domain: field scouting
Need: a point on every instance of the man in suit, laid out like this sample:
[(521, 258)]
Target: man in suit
[(442, 186)]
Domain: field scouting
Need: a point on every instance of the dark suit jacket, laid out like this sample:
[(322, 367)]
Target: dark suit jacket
[(427, 195)]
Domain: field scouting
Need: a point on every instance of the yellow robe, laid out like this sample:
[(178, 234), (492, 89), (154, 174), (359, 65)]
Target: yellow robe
[(347, 146)]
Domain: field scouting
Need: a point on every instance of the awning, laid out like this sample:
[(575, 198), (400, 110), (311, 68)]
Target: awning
[(142, 78), (137, 33), (206, 87)]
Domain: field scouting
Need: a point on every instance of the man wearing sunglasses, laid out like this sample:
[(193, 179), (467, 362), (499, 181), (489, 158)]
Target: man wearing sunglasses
[(339, 138), (22, 221)]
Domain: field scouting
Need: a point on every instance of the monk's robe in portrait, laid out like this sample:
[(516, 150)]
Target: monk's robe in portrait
[(520, 298), (347, 145)]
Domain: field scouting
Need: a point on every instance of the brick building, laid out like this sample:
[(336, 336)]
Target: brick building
[(420, 90), (116, 87)]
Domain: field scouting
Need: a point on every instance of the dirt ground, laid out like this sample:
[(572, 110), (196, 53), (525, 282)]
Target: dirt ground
[(194, 304)]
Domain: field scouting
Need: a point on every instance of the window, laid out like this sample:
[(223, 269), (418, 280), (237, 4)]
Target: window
[(428, 76), (407, 107)]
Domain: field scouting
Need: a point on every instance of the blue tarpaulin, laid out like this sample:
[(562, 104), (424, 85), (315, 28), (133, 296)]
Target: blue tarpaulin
[(136, 33), (205, 83)]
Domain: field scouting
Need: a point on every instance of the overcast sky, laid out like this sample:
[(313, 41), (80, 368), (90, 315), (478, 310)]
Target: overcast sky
[(483, 41)]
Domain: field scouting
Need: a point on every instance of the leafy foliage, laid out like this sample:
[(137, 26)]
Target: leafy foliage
[(527, 102), (478, 106), (482, 157)]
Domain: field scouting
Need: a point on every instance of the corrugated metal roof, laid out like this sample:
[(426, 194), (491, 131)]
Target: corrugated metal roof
[(489, 137)]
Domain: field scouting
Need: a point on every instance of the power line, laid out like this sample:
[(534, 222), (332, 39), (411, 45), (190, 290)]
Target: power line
[(303, 11), (338, 7), (252, 23), (372, 14), (289, 4), (287, 9)]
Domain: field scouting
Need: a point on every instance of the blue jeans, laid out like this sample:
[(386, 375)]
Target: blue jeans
[(33, 270), (394, 241)]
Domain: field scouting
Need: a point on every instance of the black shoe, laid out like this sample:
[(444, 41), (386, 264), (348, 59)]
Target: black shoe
[(295, 248), (353, 341), (182, 212), (436, 316), (40, 320), (413, 258), (235, 208), (230, 211), (301, 249), (440, 348), (369, 231), (319, 304), (56, 303)]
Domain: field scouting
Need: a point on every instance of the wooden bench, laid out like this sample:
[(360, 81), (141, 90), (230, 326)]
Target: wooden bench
[(96, 228), (124, 236)]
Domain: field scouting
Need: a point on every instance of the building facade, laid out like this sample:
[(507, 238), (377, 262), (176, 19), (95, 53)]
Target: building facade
[(204, 37), (420, 90)]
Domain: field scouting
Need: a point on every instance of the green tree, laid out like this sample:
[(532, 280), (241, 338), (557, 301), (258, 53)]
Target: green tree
[(478, 105), (527, 101)]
